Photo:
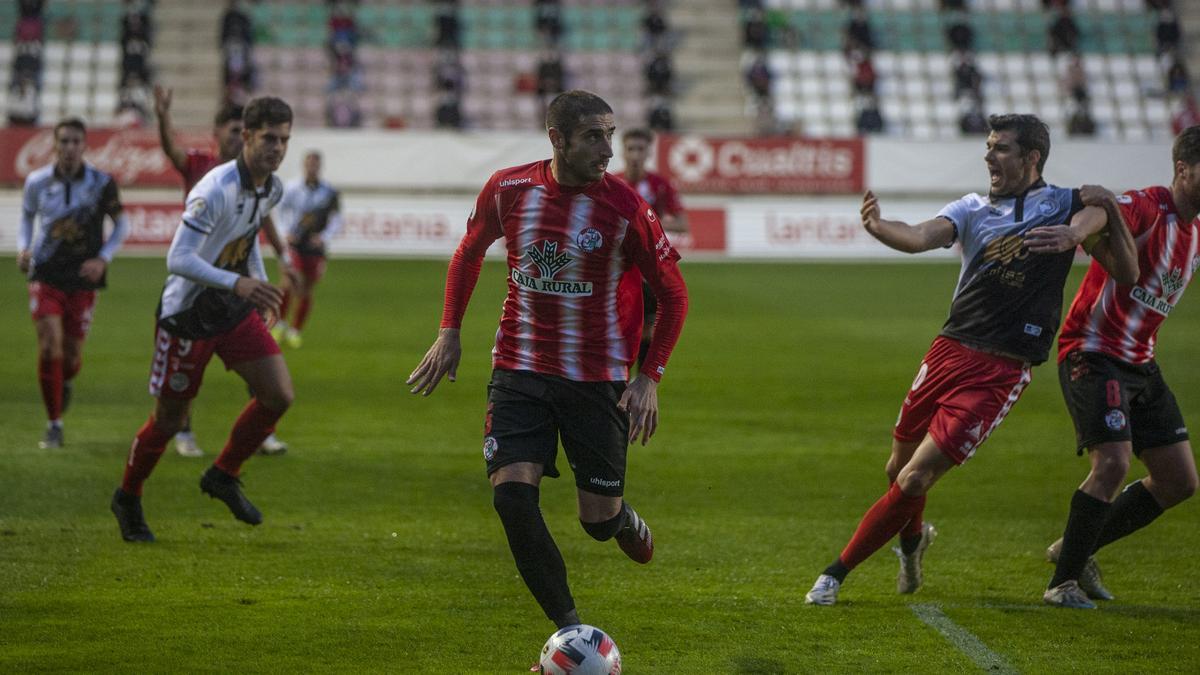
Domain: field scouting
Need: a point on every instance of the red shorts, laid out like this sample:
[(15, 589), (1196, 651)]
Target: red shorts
[(959, 397), (75, 307), (179, 363), (311, 266)]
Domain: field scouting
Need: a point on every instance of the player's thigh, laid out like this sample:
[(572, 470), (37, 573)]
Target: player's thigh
[(77, 315), (1155, 417), (49, 328), (902, 452), (1172, 472), (928, 464), (1096, 392), (171, 413), (595, 434), (520, 439), (268, 378)]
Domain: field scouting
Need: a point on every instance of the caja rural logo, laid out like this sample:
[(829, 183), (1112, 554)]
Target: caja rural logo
[(549, 261)]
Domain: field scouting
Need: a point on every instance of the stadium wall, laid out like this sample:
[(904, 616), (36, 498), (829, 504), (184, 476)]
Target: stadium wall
[(409, 194)]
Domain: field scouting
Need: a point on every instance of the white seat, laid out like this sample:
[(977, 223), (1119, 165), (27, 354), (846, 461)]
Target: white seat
[(1157, 113), (1020, 88), (839, 128), (1094, 65), (817, 127), (1041, 66), (1104, 111), (885, 63), (1127, 90), (808, 63), (1136, 132), (108, 53), (813, 108), (54, 52), (79, 78)]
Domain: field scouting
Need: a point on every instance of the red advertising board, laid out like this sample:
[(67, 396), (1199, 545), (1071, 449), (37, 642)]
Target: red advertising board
[(133, 157), (772, 165)]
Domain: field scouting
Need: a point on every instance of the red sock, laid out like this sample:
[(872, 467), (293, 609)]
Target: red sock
[(302, 312), (283, 306), (147, 448), (50, 376), (882, 521), (913, 528), (254, 424), (71, 369)]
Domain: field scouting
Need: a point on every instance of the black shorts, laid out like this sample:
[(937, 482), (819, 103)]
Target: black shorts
[(528, 412), (1111, 400)]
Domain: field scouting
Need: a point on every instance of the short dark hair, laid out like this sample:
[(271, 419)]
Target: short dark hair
[(266, 111), (70, 123), (1186, 148), (640, 133), (1032, 133), (228, 113), (565, 111)]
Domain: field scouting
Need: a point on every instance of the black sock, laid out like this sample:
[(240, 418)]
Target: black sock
[(1083, 528), (187, 425), (837, 570), (909, 544), (1133, 509), (533, 549)]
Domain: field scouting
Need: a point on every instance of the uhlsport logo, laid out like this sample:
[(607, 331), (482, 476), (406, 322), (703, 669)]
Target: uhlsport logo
[(549, 262)]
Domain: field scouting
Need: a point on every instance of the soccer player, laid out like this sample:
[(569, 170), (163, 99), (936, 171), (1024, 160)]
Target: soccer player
[(1114, 390), (664, 199), (560, 361), (311, 215), (66, 261), (1016, 257), (213, 302), (192, 164)]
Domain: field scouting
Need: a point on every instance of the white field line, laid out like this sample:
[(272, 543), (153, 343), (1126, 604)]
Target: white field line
[(962, 639)]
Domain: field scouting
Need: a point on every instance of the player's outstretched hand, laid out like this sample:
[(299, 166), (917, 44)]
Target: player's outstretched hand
[(440, 361), (162, 100), (92, 270), (1051, 239), (23, 259), (870, 211), (1096, 195), (262, 294), (640, 400)]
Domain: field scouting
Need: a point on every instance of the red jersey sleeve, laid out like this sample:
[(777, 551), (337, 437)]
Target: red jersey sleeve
[(483, 228), (669, 204), (1139, 209), (647, 246)]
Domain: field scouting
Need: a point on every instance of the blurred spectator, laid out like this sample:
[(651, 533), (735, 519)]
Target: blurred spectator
[(445, 18), (448, 72), (660, 117), (551, 77), (236, 26), (973, 122), (547, 18), (1079, 121), (864, 72), (1167, 32), (342, 109), (449, 112), (758, 76), (23, 105), (135, 60), (1178, 80), (952, 5), (27, 60), (347, 75), (1187, 115), (135, 22), (967, 79), (870, 120), (30, 8), (1155, 5), (765, 122), (133, 103), (654, 23), (858, 32), (1074, 82), (239, 71), (959, 34), (1063, 34), (750, 4), (30, 29), (754, 30), (659, 74), (343, 27)]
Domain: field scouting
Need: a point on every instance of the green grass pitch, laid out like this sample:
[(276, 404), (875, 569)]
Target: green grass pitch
[(381, 552)]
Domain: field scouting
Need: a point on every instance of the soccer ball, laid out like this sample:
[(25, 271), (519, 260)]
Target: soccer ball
[(580, 650)]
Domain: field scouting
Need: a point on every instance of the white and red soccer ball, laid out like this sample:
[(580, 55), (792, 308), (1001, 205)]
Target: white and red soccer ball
[(580, 650)]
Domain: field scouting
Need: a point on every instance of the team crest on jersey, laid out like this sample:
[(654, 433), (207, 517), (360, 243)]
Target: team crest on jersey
[(1115, 420), (195, 208), (179, 382), (549, 261), (590, 240), (1046, 208), (490, 445), (1124, 199)]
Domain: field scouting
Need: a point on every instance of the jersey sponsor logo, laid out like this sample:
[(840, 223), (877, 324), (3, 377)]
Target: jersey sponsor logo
[(235, 253), (663, 247), (1115, 420), (1034, 330), (590, 240), (650, 215), (490, 446), (1124, 199), (514, 181), (1006, 249), (549, 262), (1172, 282)]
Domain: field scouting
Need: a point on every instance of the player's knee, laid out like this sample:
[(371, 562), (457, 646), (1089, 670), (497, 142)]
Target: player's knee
[(916, 482), (1182, 487), (278, 400), (168, 424), (604, 530), (50, 350), (513, 500), (1110, 469)]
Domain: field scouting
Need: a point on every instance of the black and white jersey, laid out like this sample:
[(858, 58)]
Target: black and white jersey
[(310, 214)]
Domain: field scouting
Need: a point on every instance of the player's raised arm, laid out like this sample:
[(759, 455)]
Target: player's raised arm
[(1117, 252), (166, 133), (925, 236)]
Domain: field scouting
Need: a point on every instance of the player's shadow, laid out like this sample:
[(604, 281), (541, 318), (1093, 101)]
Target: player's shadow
[(1184, 615), (757, 665)]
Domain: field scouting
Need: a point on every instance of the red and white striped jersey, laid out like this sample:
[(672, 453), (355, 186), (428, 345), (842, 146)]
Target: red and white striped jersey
[(567, 250), (1121, 320)]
